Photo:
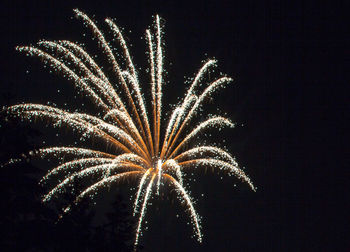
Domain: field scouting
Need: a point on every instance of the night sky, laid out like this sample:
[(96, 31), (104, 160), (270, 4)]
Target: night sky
[(290, 93)]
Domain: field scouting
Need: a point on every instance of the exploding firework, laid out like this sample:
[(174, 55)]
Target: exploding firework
[(140, 146)]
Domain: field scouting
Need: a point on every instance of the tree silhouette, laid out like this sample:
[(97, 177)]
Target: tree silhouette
[(117, 233), (29, 225)]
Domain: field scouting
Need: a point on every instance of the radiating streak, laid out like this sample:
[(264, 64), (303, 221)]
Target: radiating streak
[(107, 50), (152, 66), (80, 83), (201, 150), (80, 52), (96, 68), (102, 42), (81, 120), (73, 164), (113, 61), (70, 178), (190, 96), (86, 172), (32, 107), (122, 118), (139, 96), (170, 127), (76, 117), (141, 103), (181, 191), (199, 76), (159, 80), (104, 182), (178, 115), (132, 77), (86, 128), (173, 165), (224, 165), (128, 139), (120, 37), (212, 122), (159, 173), (143, 209), (77, 152), (132, 158), (128, 122), (64, 117), (153, 82), (139, 190), (207, 92), (102, 87), (187, 101)]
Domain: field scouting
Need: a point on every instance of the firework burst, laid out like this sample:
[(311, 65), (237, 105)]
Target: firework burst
[(140, 146)]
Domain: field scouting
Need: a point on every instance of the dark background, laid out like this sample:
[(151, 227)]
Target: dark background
[(288, 60)]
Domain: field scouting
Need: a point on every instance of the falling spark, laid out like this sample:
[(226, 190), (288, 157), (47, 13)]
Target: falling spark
[(136, 147)]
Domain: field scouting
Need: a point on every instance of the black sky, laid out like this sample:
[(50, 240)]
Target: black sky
[(288, 60)]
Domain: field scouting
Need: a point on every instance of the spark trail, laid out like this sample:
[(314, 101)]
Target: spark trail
[(141, 144)]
